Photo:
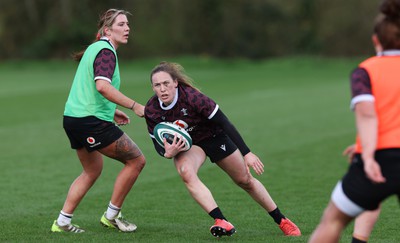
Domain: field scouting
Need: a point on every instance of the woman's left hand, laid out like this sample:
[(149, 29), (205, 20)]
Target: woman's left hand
[(254, 162), (139, 110), (373, 171), (121, 118)]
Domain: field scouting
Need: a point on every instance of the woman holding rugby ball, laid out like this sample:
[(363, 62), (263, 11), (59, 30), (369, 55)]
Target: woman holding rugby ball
[(176, 100)]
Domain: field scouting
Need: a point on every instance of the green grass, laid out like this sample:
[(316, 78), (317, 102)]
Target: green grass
[(293, 113)]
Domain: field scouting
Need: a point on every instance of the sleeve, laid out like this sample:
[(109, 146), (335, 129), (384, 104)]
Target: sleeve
[(104, 65), (231, 131), (200, 102), (360, 87)]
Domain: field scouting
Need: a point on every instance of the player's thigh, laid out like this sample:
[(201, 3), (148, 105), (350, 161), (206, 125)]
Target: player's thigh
[(123, 149), (235, 167), (92, 162), (333, 215), (190, 160)]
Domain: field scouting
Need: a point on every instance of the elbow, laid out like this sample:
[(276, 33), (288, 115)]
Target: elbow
[(368, 115), (101, 87), (365, 110)]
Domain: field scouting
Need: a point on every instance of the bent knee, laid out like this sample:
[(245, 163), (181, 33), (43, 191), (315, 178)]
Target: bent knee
[(187, 175), (140, 162), (137, 163), (92, 175), (244, 182)]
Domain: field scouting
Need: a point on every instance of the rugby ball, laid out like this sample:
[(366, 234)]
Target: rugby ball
[(168, 130)]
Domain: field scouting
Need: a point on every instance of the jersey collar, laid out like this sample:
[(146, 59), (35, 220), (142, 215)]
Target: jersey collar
[(108, 40), (389, 53), (169, 107)]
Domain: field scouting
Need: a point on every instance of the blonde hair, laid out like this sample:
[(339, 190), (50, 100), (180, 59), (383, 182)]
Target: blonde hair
[(106, 20), (176, 71)]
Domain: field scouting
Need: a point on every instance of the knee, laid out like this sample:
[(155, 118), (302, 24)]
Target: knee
[(245, 181), (92, 176), (136, 164), (140, 162), (186, 174)]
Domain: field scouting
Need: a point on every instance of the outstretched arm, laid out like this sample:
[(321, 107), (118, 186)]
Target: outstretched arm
[(112, 94), (231, 131), (104, 67), (250, 159)]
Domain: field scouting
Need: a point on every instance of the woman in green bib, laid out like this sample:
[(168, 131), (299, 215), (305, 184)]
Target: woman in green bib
[(90, 122)]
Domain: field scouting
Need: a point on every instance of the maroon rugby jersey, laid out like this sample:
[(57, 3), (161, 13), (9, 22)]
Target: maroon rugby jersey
[(192, 110)]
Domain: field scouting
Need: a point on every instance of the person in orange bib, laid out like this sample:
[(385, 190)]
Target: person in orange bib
[(374, 174)]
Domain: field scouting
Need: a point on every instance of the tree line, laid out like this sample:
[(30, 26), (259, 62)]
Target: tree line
[(254, 29)]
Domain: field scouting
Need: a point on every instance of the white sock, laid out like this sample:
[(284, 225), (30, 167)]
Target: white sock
[(64, 218), (112, 211)]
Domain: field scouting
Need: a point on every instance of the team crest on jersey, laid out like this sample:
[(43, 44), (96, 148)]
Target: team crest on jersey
[(90, 140), (181, 123), (184, 112)]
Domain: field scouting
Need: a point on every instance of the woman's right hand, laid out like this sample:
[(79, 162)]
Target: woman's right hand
[(177, 146), (349, 152)]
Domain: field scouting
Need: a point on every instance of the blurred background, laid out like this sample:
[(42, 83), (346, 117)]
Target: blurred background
[(279, 68), (253, 29)]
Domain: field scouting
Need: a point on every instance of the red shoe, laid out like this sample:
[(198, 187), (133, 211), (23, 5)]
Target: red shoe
[(289, 228), (222, 227)]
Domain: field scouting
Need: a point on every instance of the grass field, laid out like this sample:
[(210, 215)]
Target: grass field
[(293, 113)]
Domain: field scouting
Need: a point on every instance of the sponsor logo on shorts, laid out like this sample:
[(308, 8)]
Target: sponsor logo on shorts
[(90, 140), (223, 147)]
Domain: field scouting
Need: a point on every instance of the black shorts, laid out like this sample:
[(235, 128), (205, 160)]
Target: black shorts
[(362, 191), (218, 147), (90, 132)]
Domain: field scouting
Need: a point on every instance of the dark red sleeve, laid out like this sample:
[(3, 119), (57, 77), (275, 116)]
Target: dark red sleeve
[(360, 82), (202, 103), (104, 64)]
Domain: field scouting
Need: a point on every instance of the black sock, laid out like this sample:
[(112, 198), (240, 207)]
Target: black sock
[(355, 240), (276, 215), (216, 214)]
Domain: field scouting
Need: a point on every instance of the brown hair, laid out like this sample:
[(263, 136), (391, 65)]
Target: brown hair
[(106, 20), (387, 26), (176, 71)]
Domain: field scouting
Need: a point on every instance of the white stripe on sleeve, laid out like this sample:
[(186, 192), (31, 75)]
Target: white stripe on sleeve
[(360, 98), (213, 113), (103, 78)]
